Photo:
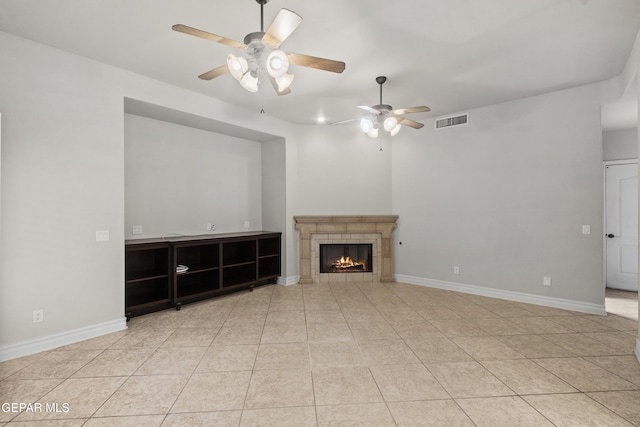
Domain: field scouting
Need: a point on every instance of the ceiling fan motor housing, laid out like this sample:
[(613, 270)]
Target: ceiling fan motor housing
[(383, 108), (254, 41)]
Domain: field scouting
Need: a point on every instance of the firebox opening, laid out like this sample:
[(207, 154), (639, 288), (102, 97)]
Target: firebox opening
[(346, 258)]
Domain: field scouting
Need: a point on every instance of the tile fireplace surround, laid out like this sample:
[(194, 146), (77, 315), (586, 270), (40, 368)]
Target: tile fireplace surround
[(317, 230)]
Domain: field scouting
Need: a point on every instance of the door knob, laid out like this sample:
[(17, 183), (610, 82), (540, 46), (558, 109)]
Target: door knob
[(611, 236)]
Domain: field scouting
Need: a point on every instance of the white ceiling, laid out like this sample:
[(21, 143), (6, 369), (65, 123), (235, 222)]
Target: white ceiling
[(451, 55)]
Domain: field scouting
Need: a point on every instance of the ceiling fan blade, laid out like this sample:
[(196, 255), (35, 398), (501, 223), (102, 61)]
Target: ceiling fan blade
[(421, 109), (369, 109), (345, 121), (314, 62), (281, 28), (208, 36), (212, 74), (287, 91), (410, 123)]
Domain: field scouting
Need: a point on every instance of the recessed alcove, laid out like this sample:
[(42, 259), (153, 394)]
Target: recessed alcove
[(184, 171)]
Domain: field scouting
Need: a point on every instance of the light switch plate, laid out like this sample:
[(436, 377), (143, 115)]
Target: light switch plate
[(102, 235), (586, 229)]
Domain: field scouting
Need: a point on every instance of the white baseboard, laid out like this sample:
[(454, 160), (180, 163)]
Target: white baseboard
[(25, 348), (583, 307), (287, 281), (637, 352)]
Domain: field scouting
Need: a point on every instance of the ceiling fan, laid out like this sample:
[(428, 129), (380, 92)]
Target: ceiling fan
[(263, 54), (390, 119)]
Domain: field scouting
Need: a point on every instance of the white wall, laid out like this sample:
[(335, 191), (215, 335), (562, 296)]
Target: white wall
[(505, 197), (178, 179), (631, 74), (274, 195), (620, 144), (628, 80), (341, 171), (63, 180)]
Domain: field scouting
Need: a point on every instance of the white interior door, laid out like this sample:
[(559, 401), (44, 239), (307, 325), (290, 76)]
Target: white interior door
[(621, 200)]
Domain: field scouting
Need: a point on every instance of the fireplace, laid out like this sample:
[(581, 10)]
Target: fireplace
[(346, 258), (373, 231)]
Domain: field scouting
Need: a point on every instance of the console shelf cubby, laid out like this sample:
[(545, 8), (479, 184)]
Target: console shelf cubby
[(163, 273), (147, 278)]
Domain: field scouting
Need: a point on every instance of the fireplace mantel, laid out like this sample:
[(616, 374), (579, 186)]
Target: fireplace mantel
[(339, 227)]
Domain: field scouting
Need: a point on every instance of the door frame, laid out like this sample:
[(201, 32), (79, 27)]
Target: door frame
[(604, 211)]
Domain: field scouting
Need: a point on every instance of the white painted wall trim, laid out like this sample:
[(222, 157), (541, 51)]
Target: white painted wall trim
[(564, 304), (637, 352), (289, 280), (620, 162), (50, 342)]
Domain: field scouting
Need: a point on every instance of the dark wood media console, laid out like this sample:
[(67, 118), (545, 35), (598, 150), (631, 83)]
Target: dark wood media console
[(162, 273)]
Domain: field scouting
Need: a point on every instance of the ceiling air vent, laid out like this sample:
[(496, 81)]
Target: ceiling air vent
[(458, 120)]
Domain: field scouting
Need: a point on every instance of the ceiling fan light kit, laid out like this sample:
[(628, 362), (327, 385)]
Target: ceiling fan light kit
[(264, 56)]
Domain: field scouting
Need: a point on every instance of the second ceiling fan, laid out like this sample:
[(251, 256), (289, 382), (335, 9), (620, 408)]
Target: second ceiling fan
[(263, 54), (386, 117)]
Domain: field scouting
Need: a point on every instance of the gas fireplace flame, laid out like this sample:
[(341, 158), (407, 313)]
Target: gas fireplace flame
[(347, 263)]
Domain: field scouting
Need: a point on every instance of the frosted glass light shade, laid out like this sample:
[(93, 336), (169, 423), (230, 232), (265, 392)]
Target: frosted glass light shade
[(249, 82), (277, 63), (284, 81), (395, 130), (390, 123), (366, 125), (238, 66), (373, 133)]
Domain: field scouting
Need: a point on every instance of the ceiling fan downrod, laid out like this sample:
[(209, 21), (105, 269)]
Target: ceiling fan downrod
[(262, 3), (381, 80)]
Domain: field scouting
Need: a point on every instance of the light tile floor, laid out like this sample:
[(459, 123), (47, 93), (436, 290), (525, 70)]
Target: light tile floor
[(622, 303), (366, 354)]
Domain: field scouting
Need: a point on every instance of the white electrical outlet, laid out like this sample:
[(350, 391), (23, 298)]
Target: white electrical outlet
[(210, 226), (137, 229), (247, 224), (456, 270), (38, 316), (546, 281)]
